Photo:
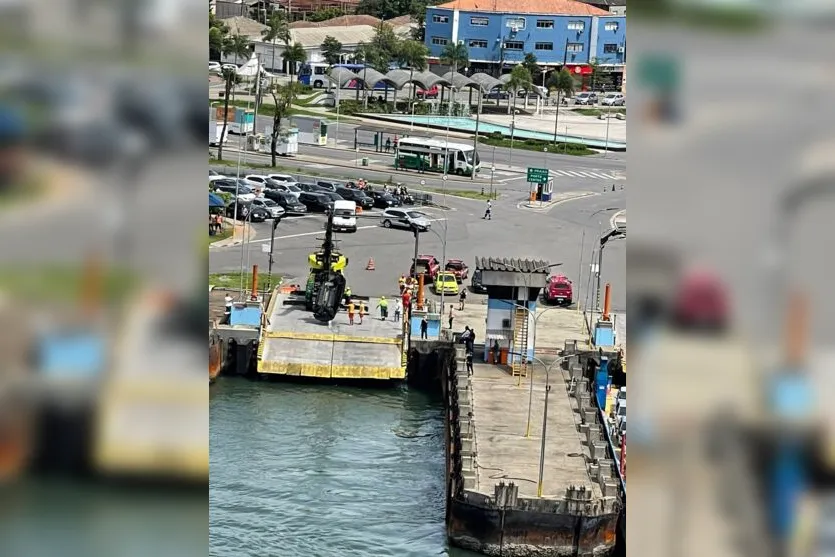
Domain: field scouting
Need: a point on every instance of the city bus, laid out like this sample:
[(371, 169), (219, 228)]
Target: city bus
[(430, 154), (315, 74)]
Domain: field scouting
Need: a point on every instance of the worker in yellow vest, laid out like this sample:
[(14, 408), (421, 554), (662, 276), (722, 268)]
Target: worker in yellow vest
[(384, 308), (402, 282)]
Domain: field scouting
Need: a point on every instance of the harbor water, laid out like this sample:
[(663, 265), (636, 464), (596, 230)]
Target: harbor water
[(313, 470)]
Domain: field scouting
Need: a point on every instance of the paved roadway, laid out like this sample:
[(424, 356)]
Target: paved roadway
[(564, 232)]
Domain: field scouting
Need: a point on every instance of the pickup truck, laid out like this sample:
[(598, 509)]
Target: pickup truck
[(426, 265), (458, 268)]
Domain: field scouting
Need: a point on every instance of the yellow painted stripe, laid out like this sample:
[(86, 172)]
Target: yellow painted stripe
[(135, 459), (332, 338), (327, 371)]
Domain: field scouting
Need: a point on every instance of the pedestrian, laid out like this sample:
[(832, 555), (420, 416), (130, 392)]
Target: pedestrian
[(469, 362), (424, 328), (461, 298), (398, 308), (362, 310), (488, 214), (451, 317), (350, 313), (347, 294), (470, 341), (402, 283), (227, 311), (388, 144), (384, 308), (496, 352)]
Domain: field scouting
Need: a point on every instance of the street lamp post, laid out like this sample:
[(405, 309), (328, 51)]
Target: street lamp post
[(606, 147), (492, 171), (614, 233), (512, 133), (565, 141), (542, 445), (272, 246)]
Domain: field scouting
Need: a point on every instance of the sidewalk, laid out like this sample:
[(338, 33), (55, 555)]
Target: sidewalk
[(243, 231), (555, 200)]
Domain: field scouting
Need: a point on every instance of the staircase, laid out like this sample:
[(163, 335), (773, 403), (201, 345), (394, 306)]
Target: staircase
[(519, 367)]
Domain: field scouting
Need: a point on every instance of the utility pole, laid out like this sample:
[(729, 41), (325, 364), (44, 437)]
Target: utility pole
[(542, 445), (272, 246), (603, 240)]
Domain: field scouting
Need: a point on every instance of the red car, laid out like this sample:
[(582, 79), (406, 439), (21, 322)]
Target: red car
[(431, 93), (558, 290), (459, 269), (701, 301), (426, 265)]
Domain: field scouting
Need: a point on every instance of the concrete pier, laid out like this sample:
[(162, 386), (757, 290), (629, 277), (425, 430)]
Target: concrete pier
[(493, 468)]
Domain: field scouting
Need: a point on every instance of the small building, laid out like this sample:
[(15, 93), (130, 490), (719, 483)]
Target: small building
[(513, 287)]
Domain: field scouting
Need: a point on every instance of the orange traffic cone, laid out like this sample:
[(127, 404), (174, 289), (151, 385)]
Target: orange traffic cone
[(370, 266)]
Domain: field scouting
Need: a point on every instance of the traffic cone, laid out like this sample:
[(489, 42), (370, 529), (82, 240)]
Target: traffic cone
[(370, 266), (359, 210)]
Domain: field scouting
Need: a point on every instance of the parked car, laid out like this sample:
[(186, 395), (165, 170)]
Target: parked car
[(332, 195), (328, 185), (287, 187), (426, 265), (585, 98), (214, 67), (232, 67), (558, 290), (458, 268), (247, 211), (281, 177), (259, 179), (402, 218), (316, 202), (311, 188), (475, 283), (276, 210), (447, 283), (357, 196), (613, 99), (244, 192), (384, 200), (290, 203), (431, 93), (497, 94), (701, 301)]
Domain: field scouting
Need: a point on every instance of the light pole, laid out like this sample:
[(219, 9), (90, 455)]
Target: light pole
[(606, 148), (475, 138), (492, 171), (336, 139), (565, 141), (583, 245), (544, 422), (512, 133), (603, 240), (443, 261), (272, 246), (530, 393)]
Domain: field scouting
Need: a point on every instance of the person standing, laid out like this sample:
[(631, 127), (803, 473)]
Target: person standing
[(388, 144), (451, 317), (350, 313), (398, 307), (424, 328), (227, 310), (384, 308), (461, 298), (470, 342), (488, 213), (362, 310), (469, 362)]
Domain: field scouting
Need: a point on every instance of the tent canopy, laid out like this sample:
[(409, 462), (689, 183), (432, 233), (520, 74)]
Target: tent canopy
[(215, 201)]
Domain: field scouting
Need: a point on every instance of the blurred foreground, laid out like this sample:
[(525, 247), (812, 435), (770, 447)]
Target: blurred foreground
[(103, 391), (732, 168)]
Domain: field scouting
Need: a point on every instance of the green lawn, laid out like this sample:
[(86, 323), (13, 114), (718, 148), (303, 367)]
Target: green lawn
[(598, 111), (232, 279), (63, 284), (471, 194), (537, 145)]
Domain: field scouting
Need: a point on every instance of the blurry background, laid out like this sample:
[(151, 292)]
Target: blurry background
[(103, 391), (729, 267)]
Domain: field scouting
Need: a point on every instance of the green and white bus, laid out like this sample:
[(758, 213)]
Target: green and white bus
[(421, 153)]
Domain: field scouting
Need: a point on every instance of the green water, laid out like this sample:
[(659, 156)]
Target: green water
[(308, 470)]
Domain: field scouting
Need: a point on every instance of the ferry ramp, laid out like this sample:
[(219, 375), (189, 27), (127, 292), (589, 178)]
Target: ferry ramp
[(294, 343)]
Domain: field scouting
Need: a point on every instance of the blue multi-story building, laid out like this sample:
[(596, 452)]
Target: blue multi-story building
[(498, 34)]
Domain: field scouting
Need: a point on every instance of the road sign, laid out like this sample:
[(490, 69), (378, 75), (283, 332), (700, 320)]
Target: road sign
[(537, 175), (265, 248)]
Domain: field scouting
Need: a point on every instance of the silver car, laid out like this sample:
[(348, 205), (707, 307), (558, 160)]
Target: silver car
[(276, 210), (405, 218)]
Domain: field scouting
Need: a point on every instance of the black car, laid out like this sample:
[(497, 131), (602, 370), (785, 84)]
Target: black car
[(312, 188), (333, 196), (475, 283), (229, 186), (357, 196), (247, 212), (327, 185), (384, 200), (291, 205), (316, 202)]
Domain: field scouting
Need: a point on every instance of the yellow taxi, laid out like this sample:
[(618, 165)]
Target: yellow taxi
[(446, 283)]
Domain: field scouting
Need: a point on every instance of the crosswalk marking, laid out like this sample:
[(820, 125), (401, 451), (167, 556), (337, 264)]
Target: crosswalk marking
[(584, 174), (317, 165)]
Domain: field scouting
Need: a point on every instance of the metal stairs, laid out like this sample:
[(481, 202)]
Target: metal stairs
[(519, 366)]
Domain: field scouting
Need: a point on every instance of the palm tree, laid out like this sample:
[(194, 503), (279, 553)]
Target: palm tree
[(412, 54), (455, 55), (362, 54), (294, 54), (229, 78), (237, 45), (277, 29), (520, 78)]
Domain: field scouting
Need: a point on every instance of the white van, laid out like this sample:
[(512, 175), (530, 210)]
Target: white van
[(345, 215)]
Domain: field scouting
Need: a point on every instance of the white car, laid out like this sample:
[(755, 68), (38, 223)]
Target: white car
[(291, 188), (214, 67), (232, 67), (613, 99), (281, 177), (405, 218), (259, 179)]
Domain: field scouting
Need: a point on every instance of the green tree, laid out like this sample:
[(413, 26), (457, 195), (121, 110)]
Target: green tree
[(218, 32), (385, 47), (229, 78), (530, 62), (520, 78), (417, 9), (283, 96), (594, 76), (325, 14), (455, 54), (412, 55), (383, 9), (277, 30), (331, 50), (294, 54), (237, 46), (562, 83)]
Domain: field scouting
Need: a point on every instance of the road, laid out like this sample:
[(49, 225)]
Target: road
[(564, 233)]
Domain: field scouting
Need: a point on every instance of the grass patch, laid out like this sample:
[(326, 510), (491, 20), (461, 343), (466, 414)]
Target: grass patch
[(224, 162), (64, 283), (538, 145), (232, 279), (470, 194), (598, 111), (225, 234)]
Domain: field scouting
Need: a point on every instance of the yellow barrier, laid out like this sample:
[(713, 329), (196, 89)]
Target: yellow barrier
[(327, 371), (332, 338)]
